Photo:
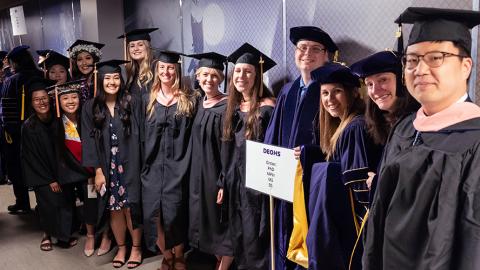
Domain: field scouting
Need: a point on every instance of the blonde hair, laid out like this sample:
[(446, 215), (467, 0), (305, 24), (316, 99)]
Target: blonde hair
[(187, 98), (332, 127), (144, 69)]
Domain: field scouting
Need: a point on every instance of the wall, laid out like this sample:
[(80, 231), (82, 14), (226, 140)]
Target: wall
[(358, 27)]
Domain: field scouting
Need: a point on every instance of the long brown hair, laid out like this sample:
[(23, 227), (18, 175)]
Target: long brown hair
[(143, 70), (332, 127), (252, 125), (186, 97)]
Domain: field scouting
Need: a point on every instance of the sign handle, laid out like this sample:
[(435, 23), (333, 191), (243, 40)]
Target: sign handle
[(272, 244)]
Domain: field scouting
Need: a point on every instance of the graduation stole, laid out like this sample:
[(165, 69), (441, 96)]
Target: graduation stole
[(72, 138), (297, 247)]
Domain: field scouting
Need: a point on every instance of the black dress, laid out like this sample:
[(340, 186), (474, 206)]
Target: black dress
[(40, 170), (97, 154), (208, 230), (165, 175), (248, 210)]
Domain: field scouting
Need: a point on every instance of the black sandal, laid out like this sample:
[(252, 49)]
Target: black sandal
[(46, 246), (118, 263), (135, 264)]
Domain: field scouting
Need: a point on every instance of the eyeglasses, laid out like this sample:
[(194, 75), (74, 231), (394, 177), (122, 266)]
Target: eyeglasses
[(313, 49), (432, 59), (40, 100)]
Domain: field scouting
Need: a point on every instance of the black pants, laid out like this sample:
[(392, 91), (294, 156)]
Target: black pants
[(14, 171)]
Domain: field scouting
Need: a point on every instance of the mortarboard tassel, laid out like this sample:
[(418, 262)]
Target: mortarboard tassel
[(56, 102), (45, 70), (125, 52), (225, 80), (71, 64), (181, 72), (261, 62), (95, 72), (335, 56), (399, 37), (22, 115)]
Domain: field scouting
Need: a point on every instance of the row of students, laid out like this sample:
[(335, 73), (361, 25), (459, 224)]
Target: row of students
[(337, 155)]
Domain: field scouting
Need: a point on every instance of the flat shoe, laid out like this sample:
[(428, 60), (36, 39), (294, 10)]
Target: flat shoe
[(46, 244)]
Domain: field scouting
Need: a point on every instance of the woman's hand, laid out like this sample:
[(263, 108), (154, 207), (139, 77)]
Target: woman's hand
[(55, 187), (220, 196), (297, 151), (99, 179), (371, 175)]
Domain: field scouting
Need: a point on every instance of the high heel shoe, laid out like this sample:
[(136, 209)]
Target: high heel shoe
[(89, 252), (102, 251), (134, 264), (118, 263)]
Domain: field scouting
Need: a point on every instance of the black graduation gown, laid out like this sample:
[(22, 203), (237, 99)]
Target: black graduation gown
[(425, 213), (39, 169), (248, 210), (96, 153), (207, 232), (71, 171), (138, 90), (165, 175), (291, 125)]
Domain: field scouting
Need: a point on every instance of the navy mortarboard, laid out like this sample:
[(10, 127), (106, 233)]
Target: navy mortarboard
[(335, 73), (18, 52), (49, 58), (385, 61), (312, 33), (435, 24)]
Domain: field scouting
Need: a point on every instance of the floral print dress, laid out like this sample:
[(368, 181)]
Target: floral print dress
[(118, 193)]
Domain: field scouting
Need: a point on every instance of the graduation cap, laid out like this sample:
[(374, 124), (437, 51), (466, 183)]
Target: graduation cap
[(18, 52), (49, 58), (138, 34), (435, 24), (66, 88), (134, 35), (171, 57), (34, 84), (335, 73), (312, 33), (247, 54), (110, 66), (385, 61), (84, 45), (213, 60)]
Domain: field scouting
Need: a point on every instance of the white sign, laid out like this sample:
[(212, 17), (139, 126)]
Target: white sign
[(271, 170), (18, 21)]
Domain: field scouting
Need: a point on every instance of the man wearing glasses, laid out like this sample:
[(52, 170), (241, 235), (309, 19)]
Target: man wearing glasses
[(426, 210), (292, 124)]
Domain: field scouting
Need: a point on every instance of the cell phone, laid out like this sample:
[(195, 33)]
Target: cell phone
[(91, 193)]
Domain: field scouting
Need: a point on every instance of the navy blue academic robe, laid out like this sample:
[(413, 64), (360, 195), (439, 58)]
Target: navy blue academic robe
[(332, 224), (291, 125)]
